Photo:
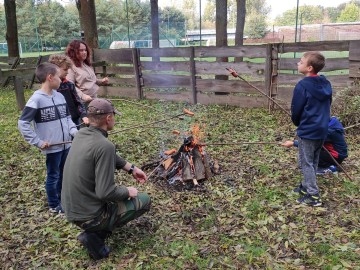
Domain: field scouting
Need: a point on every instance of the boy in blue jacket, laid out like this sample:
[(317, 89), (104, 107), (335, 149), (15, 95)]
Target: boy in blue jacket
[(335, 145), (310, 112), (46, 120)]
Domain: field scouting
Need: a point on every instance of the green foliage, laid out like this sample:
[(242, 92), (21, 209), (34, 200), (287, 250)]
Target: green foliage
[(351, 13), (308, 14), (255, 25), (242, 218)]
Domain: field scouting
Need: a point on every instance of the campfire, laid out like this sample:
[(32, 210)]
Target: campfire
[(188, 164)]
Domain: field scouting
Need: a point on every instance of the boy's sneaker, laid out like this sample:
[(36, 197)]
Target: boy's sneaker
[(57, 210), (331, 169), (311, 200), (300, 190)]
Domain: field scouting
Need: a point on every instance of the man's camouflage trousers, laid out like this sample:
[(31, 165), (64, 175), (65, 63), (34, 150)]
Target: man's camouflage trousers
[(117, 214)]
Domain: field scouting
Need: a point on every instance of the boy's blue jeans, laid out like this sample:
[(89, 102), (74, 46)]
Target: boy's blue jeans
[(309, 152), (55, 165)]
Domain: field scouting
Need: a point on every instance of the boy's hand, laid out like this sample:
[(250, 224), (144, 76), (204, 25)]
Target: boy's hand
[(86, 98), (85, 120), (288, 144), (45, 145)]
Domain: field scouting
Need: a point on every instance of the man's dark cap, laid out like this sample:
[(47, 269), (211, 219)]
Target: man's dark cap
[(101, 106)]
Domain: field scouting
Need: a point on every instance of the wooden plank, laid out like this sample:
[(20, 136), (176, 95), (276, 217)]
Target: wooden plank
[(114, 70), (192, 77), (21, 72), (354, 50), (118, 56), (251, 51), (162, 80), (177, 96), (354, 69), (330, 64), (268, 75), (166, 66), (241, 101), (234, 86), (219, 68), (318, 46), (138, 74), (120, 81), (166, 52), (117, 91), (335, 80)]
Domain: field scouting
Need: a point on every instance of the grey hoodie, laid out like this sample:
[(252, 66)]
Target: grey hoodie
[(47, 119)]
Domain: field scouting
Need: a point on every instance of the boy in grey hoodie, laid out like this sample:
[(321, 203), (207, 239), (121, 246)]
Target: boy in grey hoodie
[(45, 122)]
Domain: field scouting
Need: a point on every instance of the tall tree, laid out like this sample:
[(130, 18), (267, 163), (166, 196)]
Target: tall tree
[(189, 9), (240, 25), (221, 30), (154, 23), (11, 28), (87, 14), (209, 14), (240, 21)]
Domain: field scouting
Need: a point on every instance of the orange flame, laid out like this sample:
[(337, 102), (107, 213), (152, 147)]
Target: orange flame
[(197, 132)]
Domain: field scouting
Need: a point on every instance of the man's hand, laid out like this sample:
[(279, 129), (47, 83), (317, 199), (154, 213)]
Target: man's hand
[(139, 175), (288, 144), (133, 192)]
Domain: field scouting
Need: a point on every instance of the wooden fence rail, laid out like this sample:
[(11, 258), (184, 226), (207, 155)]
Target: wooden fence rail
[(190, 73)]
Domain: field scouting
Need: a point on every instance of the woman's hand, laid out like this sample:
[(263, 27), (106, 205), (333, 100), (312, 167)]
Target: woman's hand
[(105, 81), (86, 98)]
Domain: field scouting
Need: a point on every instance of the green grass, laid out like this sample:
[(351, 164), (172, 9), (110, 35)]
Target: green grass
[(244, 218)]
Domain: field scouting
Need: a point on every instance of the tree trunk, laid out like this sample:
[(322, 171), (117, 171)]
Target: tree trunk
[(240, 24), (87, 13), (155, 26), (221, 31), (11, 28)]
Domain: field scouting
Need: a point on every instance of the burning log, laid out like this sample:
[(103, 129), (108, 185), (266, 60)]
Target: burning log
[(189, 163)]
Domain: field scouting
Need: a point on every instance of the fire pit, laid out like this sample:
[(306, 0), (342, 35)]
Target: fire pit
[(189, 163), (184, 167)]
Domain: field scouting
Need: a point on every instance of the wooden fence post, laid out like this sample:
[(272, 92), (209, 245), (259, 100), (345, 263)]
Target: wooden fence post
[(19, 92), (137, 71), (268, 73), (193, 75)]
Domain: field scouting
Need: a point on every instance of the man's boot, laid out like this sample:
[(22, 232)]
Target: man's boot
[(94, 244)]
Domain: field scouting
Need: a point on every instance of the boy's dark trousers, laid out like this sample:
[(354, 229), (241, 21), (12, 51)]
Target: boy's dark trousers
[(326, 159), (309, 153)]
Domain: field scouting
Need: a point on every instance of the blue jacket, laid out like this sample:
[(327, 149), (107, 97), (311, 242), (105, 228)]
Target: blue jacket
[(310, 107)]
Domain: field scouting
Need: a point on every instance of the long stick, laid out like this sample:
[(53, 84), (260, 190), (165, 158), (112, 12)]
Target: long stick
[(355, 125), (59, 143), (235, 74), (238, 143)]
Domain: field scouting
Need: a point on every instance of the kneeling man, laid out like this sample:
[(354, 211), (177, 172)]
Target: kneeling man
[(90, 197)]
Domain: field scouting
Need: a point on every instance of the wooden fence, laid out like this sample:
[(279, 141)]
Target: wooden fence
[(191, 74)]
